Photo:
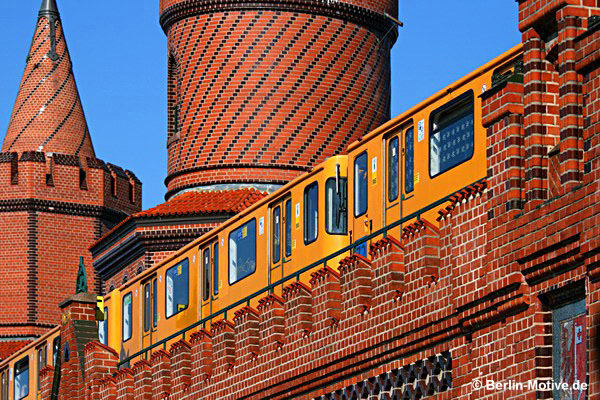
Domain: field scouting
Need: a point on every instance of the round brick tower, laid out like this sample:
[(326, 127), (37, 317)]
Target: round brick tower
[(259, 91)]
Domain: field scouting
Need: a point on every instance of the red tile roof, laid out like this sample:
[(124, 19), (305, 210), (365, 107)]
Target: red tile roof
[(218, 202), (197, 203), (8, 348)]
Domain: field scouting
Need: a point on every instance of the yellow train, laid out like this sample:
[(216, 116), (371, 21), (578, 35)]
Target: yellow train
[(427, 153), (19, 374)]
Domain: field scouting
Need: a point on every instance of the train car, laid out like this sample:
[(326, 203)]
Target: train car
[(19, 374), (430, 151), (275, 237)]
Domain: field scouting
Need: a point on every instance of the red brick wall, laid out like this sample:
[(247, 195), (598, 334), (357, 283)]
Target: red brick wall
[(49, 218)]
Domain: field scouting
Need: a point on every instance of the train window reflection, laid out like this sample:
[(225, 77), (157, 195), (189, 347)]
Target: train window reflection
[(177, 283), (242, 252), (22, 379), (452, 139), (311, 213), (127, 316), (393, 167), (360, 185), (335, 206), (409, 160), (103, 328)]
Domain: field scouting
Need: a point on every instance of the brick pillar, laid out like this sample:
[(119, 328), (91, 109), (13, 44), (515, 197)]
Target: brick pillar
[(298, 311), (503, 119), (124, 379), (108, 389), (272, 323), (246, 334), (541, 115), (388, 270), (78, 328), (223, 344), (327, 298), (142, 378), (570, 99), (161, 374), (356, 284), (100, 362), (46, 378), (202, 358), (181, 365), (422, 256)]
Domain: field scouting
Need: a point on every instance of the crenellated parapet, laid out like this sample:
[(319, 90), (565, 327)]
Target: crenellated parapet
[(61, 178)]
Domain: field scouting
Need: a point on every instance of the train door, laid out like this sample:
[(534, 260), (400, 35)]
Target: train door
[(393, 191), (281, 239), (362, 223), (149, 311), (209, 291)]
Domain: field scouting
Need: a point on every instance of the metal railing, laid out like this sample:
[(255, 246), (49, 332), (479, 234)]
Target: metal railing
[(294, 276)]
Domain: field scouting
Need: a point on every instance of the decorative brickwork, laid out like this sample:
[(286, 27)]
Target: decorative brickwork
[(56, 197), (260, 92)]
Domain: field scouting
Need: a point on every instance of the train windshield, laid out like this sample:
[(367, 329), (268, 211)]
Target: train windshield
[(336, 194), (103, 328)]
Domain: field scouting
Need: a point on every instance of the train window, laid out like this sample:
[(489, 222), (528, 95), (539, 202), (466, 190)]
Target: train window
[(452, 138), (148, 303), (276, 234), (311, 213), (22, 379), (242, 252), (409, 160), (103, 328), (155, 311), (42, 357), (4, 389), (206, 289), (55, 350), (216, 268), (336, 214), (360, 184), (127, 316), (288, 228), (393, 169), (177, 298)]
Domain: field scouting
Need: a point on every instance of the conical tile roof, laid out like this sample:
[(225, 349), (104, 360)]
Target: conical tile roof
[(48, 115)]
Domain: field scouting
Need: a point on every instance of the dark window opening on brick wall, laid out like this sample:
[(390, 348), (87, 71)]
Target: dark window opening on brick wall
[(67, 352), (14, 171), (82, 179), (113, 185), (131, 192)]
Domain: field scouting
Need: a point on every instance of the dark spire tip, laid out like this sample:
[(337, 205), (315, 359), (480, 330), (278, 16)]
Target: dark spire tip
[(48, 7)]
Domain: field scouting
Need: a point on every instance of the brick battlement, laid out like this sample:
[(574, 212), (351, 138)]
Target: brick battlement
[(61, 178)]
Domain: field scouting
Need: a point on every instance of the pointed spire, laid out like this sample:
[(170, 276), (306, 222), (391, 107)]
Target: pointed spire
[(48, 115)]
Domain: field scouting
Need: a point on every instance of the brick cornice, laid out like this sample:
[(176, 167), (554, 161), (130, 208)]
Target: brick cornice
[(374, 21), (59, 207)]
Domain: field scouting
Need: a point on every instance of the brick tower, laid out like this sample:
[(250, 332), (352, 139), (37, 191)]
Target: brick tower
[(261, 91), (56, 197)]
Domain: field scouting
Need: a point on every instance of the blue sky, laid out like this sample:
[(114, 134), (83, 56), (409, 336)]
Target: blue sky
[(119, 56)]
